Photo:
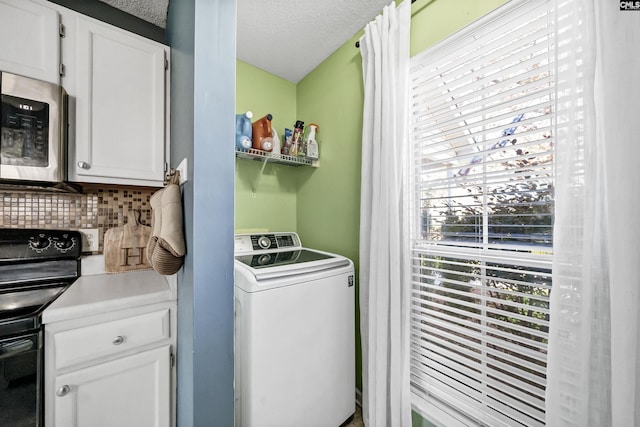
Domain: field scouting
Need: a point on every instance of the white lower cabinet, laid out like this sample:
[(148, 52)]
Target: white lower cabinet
[(131, 391), (112, 370)]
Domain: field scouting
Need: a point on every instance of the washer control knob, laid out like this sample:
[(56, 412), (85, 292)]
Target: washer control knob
[(264, 242), (264, 259)]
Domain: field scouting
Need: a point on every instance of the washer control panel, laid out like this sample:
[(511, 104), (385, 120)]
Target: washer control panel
[(265, 242)]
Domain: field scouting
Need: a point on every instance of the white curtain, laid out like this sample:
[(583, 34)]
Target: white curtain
[(593, 375), (384, 293)]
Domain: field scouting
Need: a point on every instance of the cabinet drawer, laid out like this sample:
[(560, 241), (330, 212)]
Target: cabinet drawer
[(90, 342)]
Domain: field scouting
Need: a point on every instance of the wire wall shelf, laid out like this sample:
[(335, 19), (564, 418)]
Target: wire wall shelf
[(269, 157)]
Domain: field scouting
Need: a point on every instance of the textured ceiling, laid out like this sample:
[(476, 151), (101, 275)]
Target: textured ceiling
[(154, 11), (288, 38)]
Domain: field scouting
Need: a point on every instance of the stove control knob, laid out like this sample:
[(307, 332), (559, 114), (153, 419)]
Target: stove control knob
[(264, 242), (65, 243), (39, 243)]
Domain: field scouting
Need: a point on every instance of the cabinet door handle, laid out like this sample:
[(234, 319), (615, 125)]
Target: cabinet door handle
[(118, 340), (63, 391), (84, 165)]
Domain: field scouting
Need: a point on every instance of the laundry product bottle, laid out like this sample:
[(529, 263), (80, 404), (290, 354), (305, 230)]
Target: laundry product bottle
[(302, 146), (262, 133), (243, 131), (288, 139), (312, 144), (276, 141), (297, 138)]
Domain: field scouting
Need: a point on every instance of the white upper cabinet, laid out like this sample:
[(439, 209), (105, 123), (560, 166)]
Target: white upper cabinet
[(29, 40), (118, 82)]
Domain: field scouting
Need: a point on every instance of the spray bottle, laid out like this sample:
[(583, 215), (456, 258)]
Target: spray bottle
[(312, 144)]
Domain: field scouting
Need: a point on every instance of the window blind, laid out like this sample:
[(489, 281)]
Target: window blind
[(482, 117)]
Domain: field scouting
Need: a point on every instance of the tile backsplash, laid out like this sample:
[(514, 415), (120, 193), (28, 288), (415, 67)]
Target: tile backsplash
[(100, 207)]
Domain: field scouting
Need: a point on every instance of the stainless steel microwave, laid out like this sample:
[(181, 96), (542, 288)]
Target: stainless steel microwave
[(33, 129)]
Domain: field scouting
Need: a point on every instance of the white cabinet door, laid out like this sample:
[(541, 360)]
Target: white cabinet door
[(29, 40), (132, 391), (119, 106)]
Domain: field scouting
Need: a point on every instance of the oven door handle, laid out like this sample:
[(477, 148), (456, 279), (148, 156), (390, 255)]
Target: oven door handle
[(8, 349)]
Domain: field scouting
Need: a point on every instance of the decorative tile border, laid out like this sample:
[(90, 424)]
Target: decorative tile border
[(100, 207)]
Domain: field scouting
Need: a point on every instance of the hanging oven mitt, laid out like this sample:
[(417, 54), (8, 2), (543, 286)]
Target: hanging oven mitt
[(166, 248)]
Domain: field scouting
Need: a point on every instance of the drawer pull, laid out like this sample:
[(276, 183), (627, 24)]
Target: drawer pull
[(63, 391), (118, 340)]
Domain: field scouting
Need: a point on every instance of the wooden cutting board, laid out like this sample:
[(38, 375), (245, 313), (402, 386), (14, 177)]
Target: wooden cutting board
[(125, 246)]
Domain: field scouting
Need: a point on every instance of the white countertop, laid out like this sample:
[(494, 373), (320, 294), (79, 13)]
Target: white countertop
[(102, 293)]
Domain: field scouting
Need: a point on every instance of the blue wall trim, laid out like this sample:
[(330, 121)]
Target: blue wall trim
[(201, 34), (180, 35), (214, 169)]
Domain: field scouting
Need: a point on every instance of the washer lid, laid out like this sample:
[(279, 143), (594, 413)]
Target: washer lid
[(274, 259), (269, 265)]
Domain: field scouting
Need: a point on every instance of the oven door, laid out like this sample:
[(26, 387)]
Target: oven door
[(21, 380), (32, 129)]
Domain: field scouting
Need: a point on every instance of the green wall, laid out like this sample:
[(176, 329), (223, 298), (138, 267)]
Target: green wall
[(265, 200), (434, 20), (327, 199)]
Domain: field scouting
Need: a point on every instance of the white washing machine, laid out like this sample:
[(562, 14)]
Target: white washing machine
[(294, 334)]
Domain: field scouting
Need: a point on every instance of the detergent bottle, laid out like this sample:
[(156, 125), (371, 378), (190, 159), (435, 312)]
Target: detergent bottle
[(243, 131), (262, 134)]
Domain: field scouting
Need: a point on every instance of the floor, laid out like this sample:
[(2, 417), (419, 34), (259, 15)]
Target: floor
[(357, 419)]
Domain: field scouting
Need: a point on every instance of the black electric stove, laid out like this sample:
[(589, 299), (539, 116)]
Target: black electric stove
[(36, 266)]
